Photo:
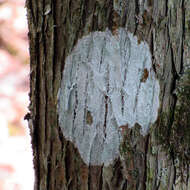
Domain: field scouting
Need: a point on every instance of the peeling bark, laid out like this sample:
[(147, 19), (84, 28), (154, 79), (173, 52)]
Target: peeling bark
[(159, 160)]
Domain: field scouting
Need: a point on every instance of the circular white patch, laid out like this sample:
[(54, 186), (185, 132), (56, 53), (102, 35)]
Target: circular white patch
[(108, 81)]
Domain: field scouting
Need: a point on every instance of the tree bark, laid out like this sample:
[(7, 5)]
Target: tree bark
[(157, 160)]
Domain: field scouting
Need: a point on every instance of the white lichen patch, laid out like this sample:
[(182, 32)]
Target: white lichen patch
[(108, 81)]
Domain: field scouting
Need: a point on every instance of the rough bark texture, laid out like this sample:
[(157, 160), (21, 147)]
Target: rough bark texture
[(160, 160)]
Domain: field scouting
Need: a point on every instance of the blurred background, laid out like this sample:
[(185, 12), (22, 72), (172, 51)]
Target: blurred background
[(16, 168)]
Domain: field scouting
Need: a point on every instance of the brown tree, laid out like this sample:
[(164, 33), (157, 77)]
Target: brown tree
[(109, 92)]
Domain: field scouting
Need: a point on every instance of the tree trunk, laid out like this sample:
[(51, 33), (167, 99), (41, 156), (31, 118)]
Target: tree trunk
[(109, 92)]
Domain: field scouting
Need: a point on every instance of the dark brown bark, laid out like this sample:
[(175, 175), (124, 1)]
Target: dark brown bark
[(159, 160)]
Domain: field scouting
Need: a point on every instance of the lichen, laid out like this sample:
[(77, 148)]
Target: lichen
[(173, 131), (108, 82)]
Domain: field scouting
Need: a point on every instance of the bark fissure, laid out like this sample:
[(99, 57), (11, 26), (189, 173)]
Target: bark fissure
[(145, 162), (183, 36), (105, 115), (37, 118)]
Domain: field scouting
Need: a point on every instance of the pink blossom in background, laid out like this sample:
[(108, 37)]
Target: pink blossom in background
[(16, 168)]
